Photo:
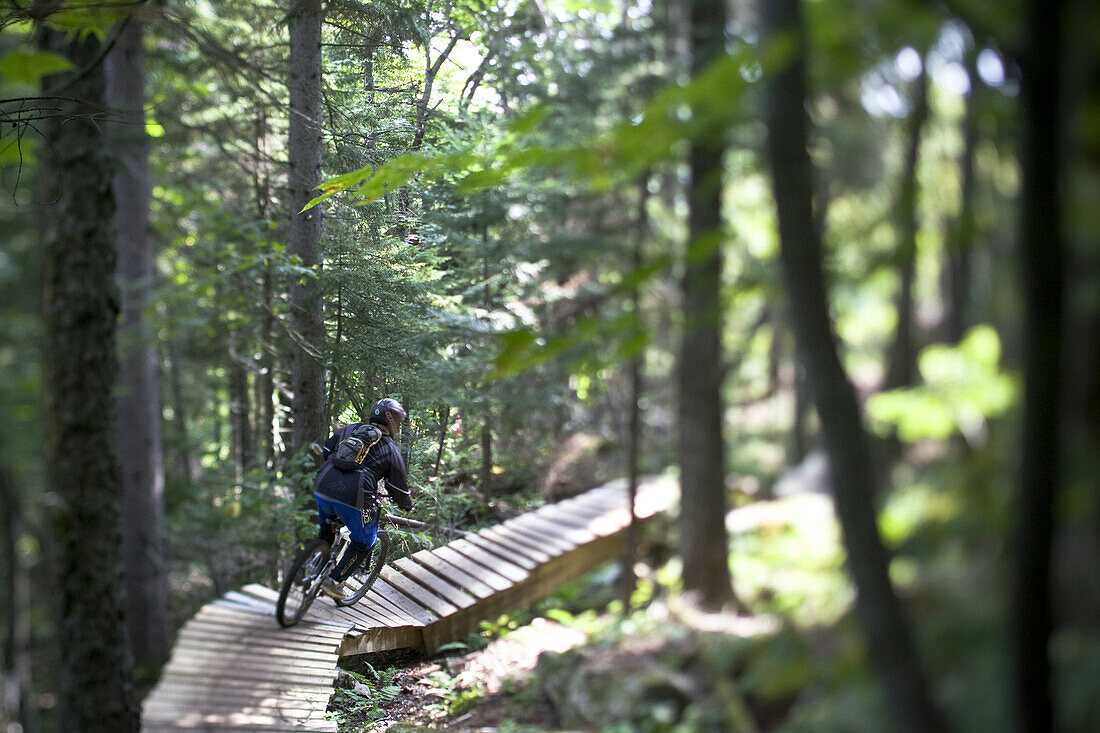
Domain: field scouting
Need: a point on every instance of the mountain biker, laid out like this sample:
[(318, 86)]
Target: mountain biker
[(345, 493)]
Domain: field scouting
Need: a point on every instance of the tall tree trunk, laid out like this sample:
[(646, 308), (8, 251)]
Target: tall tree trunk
[(304, 148), (81, 367), (138, 434), (893, 652), (901, 363), (485, 479), (444, 421), (16, 712), (265, 380), (634, 418), (239, 409), (956, 277), (185, 455), (1042, 270), (704, 546)]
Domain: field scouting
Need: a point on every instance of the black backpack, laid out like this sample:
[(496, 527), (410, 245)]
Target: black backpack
[(352, 450)]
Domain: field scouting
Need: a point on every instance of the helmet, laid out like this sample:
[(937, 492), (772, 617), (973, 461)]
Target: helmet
[(389, 412)]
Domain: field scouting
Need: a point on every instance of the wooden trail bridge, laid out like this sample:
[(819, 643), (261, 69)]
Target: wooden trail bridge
[(234, 668)]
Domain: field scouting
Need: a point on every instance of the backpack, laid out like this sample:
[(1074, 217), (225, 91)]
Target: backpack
[(352, 450)]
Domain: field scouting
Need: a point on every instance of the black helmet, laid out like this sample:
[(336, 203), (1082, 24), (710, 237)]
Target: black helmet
[(389, 412)]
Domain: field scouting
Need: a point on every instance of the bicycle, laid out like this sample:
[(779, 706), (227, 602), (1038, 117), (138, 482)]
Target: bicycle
[(315, 562)]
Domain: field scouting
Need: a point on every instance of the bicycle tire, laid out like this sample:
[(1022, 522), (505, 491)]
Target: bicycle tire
[(368, 571), (302, 583)]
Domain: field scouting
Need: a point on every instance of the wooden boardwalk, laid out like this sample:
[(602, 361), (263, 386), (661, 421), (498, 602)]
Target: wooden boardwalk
[(234, 668)]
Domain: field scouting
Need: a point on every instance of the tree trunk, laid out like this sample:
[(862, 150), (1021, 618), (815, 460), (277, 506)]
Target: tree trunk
[(444, 421), (184, 453), (15, 705), (239, 410), (902, 357), (892, 650), (304, 148), (80, 307), (960, 239), (703, 545), (486, 476), (138, 433), (634, 424), (1041, 265)]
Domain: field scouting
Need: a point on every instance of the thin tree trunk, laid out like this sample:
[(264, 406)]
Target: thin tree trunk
[(1041, 264), (960, 239), (444, 421), (138, 433), (486, 477), (239, 410), (634, 426), (902, 358), (304, 148), (703, 540), (892, 650), (81, 367), (15, 706), (265, 380), (184, 454)]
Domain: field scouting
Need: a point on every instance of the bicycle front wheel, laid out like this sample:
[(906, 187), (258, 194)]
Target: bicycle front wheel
[(363, 578), (302, 583)]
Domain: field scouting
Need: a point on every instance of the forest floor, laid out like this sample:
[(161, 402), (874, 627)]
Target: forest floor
[(489, 689)]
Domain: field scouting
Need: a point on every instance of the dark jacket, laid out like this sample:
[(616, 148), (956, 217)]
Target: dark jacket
[(384, 461)]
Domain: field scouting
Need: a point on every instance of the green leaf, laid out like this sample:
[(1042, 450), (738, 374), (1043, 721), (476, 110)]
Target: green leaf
[(26, 66)]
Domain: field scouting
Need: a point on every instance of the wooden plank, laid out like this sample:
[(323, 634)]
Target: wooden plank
[(267, 673), (418, 593), (169, 726), (305, 634), (592, 526), (418, 615), (436, 584), (509, 570), (202, 670), (377, 640), (504, 552), (202, 697), (230, 718), (491, 578), (460, 577), (398, 617), (548, 526), (508, 549), (539, 552), (382, 615), (175, 681), (258, 643), (199, 643), (539, 535), (165, 726), (221, 658)]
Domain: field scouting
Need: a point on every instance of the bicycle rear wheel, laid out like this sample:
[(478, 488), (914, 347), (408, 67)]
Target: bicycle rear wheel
[(303, 581), (363, 578)]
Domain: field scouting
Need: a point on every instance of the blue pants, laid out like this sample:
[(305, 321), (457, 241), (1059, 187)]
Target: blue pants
[(364, 534)]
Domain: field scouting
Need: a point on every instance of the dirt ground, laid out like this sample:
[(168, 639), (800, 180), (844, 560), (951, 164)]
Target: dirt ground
[(498, 680)]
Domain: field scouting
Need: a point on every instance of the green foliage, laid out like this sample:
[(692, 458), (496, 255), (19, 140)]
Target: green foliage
[(454, 698), (963, 389)]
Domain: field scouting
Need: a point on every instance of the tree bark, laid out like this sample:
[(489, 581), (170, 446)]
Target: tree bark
[(138, 433), (81, 367), (304, 148), (1042, 271), (704, 545), (902, 358), (960, 239), (15, 705), (892, 650)]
